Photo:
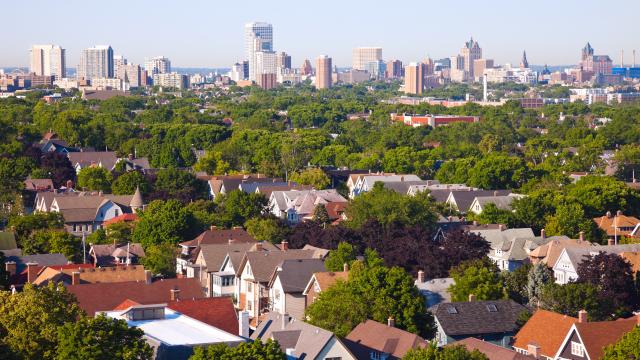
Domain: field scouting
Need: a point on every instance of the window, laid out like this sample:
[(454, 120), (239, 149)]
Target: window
[(492, 308), (577, 349), (116, 212), (249, 287), (452, 310)]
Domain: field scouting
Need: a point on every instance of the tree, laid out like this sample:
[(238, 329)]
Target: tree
[(53, 241), (236, 207), (570, 220), (212, 163), (127, 183), (626, 348), (4, 274), (432, 352), (177, 184), (539, 276), (29, 320), (267, 229), (599, 194), (58, 167), (344, 254), (160, 259), (476, 277), (255, 350), (120, 232), (101, 338), (165, 222), (497, 171), (491, 214), (25, 225), (314, 177), (95, 178), (570, 298), (321, 215), (515, 283)]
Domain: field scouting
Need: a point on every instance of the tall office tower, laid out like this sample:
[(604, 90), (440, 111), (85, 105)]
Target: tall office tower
[(524, 63), (48, 60), (237, 72), (96, 62), (479, 66), (306, 68), (131, 74), (265, 62), (471, 51), (258, 36), (157, 65), (394, 69), (414, 78), (283, 60), (364, 55), (457, 71), (323, 72)]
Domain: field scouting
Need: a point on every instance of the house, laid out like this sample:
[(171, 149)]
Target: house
[(25, 268), (84, 159), (8, 240), (227, 183), (216, 311), (266, 188), (296, 206), (321, 281), (254, 273), (490, 350), (494, 321), (124, 218), (300, 340), (133, 163), (87, 274), (502, 202), (434, 291), (365, 182), (461, 200), (409, 187), (38, 185), (44, 199), (618, 225), (548, 253), (565, 268), (287, 285), (587, 340), (543, 334), (373, 340), (510, 248), (97, 297), (116, 254), (55, 145), (171, 333)]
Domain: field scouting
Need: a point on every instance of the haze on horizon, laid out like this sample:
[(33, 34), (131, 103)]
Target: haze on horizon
[(201, 33)]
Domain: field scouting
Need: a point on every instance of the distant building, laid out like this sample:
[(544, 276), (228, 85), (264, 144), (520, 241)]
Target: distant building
[(414, 78), (598, 64), (108, 84), (265, 63), (364, 55), (394, 69), (258, 38), (49, 60), (237, 72), (283, 60), (96, 62), (524, 63), (131, 74), (479, 66), (432, 120), (267, 81), (173, 80), (157, 65), (306, 68), (470, 52), (323, 72)]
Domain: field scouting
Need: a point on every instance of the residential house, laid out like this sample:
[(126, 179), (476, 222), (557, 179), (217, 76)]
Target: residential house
[(133, 163), (373, 340), (494, 321), (461, 200), (87, 274), (510, 248), (321, 281), (548, 253), (565, 268), (36, 185), (56, 145), (543, 334), (287, 285), (227, 183), (98, 297), (618, 225), (84, 159), (116, 254), (490, 350), (267, 188), (434, 291), (410, 187), (254, 273), (300, 340), (218, 312), (365, 183), (587, 340), (502, 202), (25, 268), (296, 206)]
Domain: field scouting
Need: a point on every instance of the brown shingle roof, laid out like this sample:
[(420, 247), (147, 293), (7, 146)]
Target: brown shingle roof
[(91, 275), (545, 329), (326, 279), (550, 252), (220, 236), (490, 350), (609, 223), (381, 337), (263, 263), (106, 159), (598, 335), (215, 311)]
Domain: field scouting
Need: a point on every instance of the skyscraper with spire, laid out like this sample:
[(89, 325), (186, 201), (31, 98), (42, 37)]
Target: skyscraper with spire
[(524, 63), (471, 51)]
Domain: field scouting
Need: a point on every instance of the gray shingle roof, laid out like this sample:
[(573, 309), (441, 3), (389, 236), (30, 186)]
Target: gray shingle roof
[(295, 274), (464, 198), (263, 263), (475, 317)]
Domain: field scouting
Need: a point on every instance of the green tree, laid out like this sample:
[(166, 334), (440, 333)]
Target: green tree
[(25, 225), (236, 207), (515, 283), (497, 171), (255, 350), (570, 220), (539, 276), (314, 177), (160, 259), (101, 338), (570, 298), (491, 214), (165, 222), (120, 232), (177, 184), (599, 194), (626, 348), (344, 254), (127, 183), (476, 277), (212, 163), (267, 229), (321, 215), (4, 274), (29, 320), (455, 352), (53, 241), (95, 178)]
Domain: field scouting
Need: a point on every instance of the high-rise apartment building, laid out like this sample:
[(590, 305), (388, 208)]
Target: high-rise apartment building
[(283, 60), (265, 62), (479, 66), (173, 80), (258, 36), (306, 68), (237, 72), (414, 78), (364, 55), (157, 65), (96, 62), (323, 72), (394, 69), (48, 60), (471, 51)]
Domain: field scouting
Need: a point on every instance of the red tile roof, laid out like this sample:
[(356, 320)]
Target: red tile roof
[(215, 311)]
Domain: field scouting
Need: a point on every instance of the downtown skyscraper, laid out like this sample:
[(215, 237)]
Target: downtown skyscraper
[(96, 62), (323, 72), (48, 60), (258, 37)]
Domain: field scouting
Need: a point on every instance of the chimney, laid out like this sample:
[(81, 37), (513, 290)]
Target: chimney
[(581, 236), (619, 213), (243, 324), (213, 228), (259, 246), (231, 240), (175, 295), (582, 316), (11, 267), (130, 157), (533, 350), (345, 267), (495, 193), (610, 242), (391, 322), (608, 214), (69, 184), (31, 272), (147, 277), (420, 276), (475, 223), (472, 297), (284, 246), (75, 278), (285, 320), (501, 227), (543, 234)]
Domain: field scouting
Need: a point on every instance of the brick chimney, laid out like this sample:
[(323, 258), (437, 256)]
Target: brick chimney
[(243, 324), (147, 277), (581, 236), (345, 267), (420, 276), (213, 228), (543, 234), (175, 295), (534, 350), (75, 278), (391, 322), (619, 213), (609, 214), (11, 267), (32, 274), (284, 245), (472, 297), (610, 242), (231, 241), (582, 316), (258, 246), (285, 320)]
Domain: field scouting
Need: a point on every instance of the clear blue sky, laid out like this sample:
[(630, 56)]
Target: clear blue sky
[(209, 33)]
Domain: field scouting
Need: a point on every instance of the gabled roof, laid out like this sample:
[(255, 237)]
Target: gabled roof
[(478, 317), (577, 254), (548, 253), (294, 274), (91, 275), (121, 218), (106, 159), (545, 329), (383, 338), (215, 311), (106, 296), (38, 184), (435, 291), (39, 259), (464, 198), (597, 335), (220, 236), (326, 279), (105, 253), (502, 202), (214, 255), (490, 350), (263, 263), (611, 224)]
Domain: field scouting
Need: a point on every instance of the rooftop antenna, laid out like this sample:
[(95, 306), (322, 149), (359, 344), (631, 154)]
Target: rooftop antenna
[(622, 58), (634, 58)]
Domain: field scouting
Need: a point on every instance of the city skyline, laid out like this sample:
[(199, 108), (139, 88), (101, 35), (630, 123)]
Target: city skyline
[(411, 36)]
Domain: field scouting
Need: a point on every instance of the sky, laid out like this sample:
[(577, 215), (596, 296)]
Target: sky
[(209, 33)]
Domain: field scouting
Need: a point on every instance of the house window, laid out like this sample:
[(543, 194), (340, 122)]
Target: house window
[(249, 305), (249, 287), (116, 212), (577, 349)]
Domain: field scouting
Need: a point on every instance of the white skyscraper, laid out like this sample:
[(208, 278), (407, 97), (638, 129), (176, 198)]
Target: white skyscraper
[(157, 65), (96, 62), (258, 36), (266, 62), (48, 60), (364, 55)]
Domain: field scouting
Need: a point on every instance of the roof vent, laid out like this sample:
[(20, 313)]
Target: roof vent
[(452, 310), (492, 308)]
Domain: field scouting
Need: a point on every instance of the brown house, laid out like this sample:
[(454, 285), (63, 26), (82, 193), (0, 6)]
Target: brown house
[(543, 334), (321, 281)]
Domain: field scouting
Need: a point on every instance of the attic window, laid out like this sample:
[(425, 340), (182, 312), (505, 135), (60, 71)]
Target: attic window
[(492, 308), (452, 310)]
